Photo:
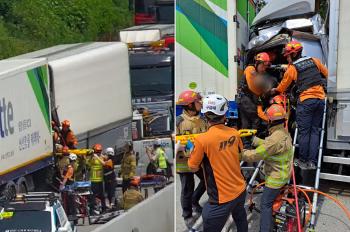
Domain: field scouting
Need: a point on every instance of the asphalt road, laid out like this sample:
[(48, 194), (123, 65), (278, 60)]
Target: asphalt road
[(329, 217), (87, 228)]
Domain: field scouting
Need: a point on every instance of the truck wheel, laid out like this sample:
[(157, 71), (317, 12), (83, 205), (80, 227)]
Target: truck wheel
[(10, 190), (22, 188)]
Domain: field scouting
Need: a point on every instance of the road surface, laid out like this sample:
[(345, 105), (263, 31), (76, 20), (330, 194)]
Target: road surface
[(329, 218)]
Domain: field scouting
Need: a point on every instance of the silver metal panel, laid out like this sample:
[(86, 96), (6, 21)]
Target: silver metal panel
[(343, 119), (343, 71), (280, 9), (334, 177), (336, 160)]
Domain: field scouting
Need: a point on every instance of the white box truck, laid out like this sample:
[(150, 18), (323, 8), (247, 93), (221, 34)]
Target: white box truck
[(25, 125), (91, 88), (89, 84), (280, 21), (146, 33), (211, 37)]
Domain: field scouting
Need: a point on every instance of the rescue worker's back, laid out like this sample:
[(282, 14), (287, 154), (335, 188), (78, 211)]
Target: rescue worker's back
[(219, 148)]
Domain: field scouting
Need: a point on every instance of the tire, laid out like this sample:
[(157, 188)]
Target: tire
[(22, 188)]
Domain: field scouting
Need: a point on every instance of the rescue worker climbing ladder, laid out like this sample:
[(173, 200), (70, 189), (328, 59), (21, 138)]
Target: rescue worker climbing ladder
[(310, 79)]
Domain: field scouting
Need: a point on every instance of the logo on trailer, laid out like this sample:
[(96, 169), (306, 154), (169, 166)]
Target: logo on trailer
[(6, 118)]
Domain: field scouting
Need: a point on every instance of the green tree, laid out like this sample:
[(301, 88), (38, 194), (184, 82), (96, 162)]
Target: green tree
[(27, 25)]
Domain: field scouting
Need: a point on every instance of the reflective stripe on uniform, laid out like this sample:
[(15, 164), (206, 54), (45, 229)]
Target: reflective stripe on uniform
[(260, 150)]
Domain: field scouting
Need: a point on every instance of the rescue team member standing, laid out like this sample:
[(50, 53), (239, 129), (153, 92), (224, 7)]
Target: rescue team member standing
[(110, 176), (250, 108), (189, 122), (68, 136), (276, 151), (128, 166), (96, 164), (218, 150), (158, 157), (310, 77), (68, 179)]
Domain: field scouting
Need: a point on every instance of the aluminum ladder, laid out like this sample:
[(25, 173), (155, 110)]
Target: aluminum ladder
[(318, 170)]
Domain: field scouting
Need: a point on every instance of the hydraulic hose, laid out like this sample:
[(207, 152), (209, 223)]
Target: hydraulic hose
[(304, 191), (335, 200), (296, 199)]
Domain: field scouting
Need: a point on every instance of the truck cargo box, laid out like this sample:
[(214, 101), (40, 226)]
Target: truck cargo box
[(25, 128)]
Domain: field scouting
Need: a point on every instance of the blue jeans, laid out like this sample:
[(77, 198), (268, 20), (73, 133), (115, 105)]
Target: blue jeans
[(309, 118), (216, 215), (268, 197)]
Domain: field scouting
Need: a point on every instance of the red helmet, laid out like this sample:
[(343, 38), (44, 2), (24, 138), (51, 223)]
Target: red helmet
[(136, 181), (263, 57), (66, 123), (278, 99), (292, 47), (275, 112), (97, 147), (187, 97), (65, 149)]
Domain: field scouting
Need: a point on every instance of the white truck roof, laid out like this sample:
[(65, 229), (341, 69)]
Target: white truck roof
[(146, 33), (91, 83), (281, 9), (11, 67)]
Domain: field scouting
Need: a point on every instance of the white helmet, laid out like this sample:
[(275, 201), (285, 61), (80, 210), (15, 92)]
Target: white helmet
[(214, 103), (72, 157), (109, 151)]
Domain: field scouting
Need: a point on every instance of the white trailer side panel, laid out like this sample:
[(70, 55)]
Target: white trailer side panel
[(139, 36), (92, 88), (25, 128), (343, 71)]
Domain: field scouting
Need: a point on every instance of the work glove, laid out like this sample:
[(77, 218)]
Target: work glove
[(256, 141), (189, 146), (179, 147)]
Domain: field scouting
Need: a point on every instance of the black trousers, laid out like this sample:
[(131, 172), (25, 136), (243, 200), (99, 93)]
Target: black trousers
[(97, 192), (248, 116), (110, 186), (189, 195), (125, 184), (248, 112)]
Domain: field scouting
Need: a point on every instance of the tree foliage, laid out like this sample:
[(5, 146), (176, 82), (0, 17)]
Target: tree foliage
[(27, 25)]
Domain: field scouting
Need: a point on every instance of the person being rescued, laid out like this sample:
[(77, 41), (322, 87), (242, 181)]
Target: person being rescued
[(132, 196), (277, 153), (67, 135), (250, 91)]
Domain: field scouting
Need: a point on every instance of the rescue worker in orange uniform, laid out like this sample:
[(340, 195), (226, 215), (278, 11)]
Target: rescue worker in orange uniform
[(218, 151), (67, 180), (68, 136), (310, 77), (249, 103), (189, 122)]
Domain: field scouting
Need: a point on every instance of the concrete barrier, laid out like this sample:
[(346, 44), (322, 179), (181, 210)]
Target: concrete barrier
[(155, 214)]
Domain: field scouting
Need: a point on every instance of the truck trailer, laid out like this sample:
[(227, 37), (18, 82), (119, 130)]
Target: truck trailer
[(211, 39), (78, 82)]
